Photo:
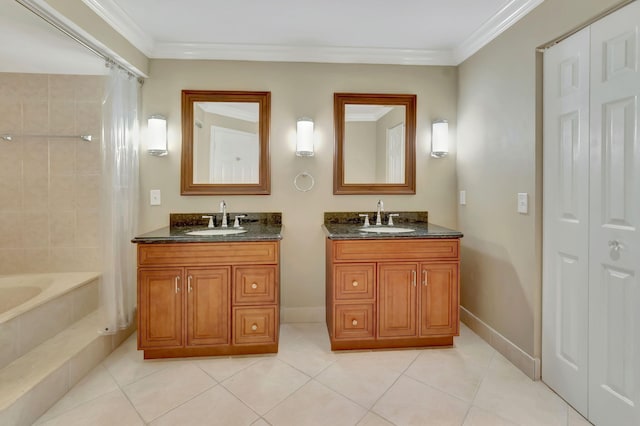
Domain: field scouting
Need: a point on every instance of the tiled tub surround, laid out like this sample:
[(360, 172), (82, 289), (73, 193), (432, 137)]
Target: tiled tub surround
[(259, 226), (49, 342), (49, 187)]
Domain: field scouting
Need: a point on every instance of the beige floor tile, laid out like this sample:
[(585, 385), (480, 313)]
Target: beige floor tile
[(364, 377), (576, 419), (507, 392), (479, 417), (449, 370), (97, 383), (260, 422), (223, 368), (160, 392), (372, 419), (107, 410), (265, 384), (305, 347), (126, 363), (214, 407), (409, 402), (315, 404)]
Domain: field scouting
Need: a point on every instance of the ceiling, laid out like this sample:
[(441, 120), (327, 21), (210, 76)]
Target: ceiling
[(419, 32)]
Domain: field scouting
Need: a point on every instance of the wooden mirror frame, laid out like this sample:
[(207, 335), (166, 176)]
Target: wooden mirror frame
[(340, 100), (187, 186)]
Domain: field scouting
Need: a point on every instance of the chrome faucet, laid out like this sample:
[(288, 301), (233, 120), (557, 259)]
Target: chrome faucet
[(223, 210), (380, 209)]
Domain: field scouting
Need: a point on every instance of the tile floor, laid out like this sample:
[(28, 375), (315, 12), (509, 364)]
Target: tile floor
[(307, 384)]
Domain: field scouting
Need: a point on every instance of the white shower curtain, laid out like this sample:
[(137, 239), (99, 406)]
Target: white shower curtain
[(119, 199)]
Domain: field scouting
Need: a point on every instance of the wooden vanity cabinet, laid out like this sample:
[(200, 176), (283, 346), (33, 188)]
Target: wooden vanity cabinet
[(392, 293), (198, 299)]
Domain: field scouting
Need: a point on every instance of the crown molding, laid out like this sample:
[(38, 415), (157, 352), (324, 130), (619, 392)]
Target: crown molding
[(113, 15), (109, 11), (500, 22), (285, 53)]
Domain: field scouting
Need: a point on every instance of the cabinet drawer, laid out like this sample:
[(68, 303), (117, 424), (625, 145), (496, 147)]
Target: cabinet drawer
[(354, 321), (254, 325), (255, 285), (354, 281), (196, 254), (403, 250)]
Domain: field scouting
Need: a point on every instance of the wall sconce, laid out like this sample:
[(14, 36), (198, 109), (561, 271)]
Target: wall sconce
[(157, 137), (304, 137), (439, 138)]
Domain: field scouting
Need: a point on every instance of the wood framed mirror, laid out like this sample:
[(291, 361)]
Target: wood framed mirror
[(225, 143), (375, 144)]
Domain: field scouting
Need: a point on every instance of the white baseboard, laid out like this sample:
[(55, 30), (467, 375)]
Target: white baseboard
[(522, 360), (311, 314)]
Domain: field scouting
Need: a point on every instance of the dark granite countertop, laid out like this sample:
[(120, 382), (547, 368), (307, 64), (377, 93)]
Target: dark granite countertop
[(259, 226), (348, 226)]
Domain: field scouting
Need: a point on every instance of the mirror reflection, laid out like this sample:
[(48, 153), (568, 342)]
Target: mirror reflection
[(374, 139), (226, 145), (375, 143), (225, 142)]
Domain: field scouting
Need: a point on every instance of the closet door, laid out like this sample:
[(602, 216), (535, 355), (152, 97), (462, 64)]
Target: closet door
[(614, 288), (566, 219)]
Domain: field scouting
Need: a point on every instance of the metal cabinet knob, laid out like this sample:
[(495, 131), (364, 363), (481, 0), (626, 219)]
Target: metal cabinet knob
[(254, 286), (354, 322), (355, 283), (254, 327)]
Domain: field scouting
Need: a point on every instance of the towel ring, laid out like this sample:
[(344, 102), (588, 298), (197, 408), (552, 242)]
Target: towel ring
[(303, 175)]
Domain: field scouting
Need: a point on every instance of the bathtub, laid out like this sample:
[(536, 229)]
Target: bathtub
[(35, 307)]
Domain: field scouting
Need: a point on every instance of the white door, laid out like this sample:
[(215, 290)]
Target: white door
[(614, 289), (566, 219)]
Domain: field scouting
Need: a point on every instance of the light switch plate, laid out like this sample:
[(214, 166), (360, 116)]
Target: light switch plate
[(154, 197), (523, 202), (463, 198)]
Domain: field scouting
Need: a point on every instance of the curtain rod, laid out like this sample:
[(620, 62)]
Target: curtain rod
[(86, 138), (61, 26)]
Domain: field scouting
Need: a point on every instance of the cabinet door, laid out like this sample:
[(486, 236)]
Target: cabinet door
[(160, 305), (254, 325), (208, 300), (439, 299), (354, 321), (397, 299), (354, 281)]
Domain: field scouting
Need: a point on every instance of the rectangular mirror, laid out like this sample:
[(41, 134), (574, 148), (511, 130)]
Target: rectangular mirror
[(375, 143), (225, 142)]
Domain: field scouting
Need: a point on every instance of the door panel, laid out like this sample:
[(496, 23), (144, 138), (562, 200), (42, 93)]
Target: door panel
[(397, 288), (566, 219), (160, 305), (208, 301), (439, 299), (614, 288)]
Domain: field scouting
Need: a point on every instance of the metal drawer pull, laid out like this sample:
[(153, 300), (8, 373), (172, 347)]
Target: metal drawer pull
[(189, 282), (254, 327), (254, 286), (413, 273), (355, 283), (354, 322), (176, 282), (424, 281)]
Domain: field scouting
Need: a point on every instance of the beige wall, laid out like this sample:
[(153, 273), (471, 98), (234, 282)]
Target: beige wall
[(499, 151), (360, 152), (49, 187), (299, 89)]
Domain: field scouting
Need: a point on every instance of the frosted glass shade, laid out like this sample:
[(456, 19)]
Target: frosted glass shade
[(440, 138), (157, 135), (304, 137)]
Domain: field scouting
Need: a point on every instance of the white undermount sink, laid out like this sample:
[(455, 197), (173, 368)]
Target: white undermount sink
[(217, 231), (385, 229)]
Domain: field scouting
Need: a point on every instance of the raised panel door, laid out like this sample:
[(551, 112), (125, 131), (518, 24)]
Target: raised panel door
[(438, 299), (208, 301), (160, 307), (397, 300), (255, 285), (253, 325), (354, 281)]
